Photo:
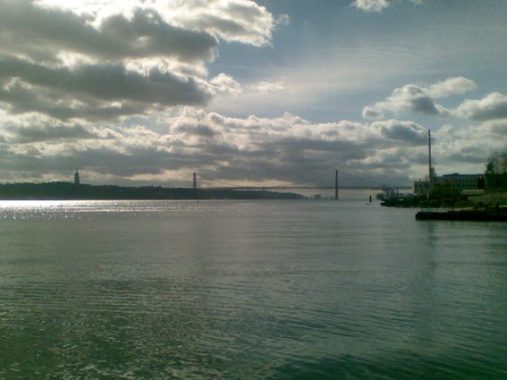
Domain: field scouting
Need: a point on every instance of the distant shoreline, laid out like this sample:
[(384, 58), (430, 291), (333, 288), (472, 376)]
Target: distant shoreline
[(70, 191)]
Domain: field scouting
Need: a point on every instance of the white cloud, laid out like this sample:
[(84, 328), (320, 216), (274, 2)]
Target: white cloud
[(372, 5), (266, 87), (377, 5), (409, 98), (492, 106), (228, 87), (231, 20), (419, 99), (283, 20), (225, 149), (224, 83), (465, 148), (451, 86)]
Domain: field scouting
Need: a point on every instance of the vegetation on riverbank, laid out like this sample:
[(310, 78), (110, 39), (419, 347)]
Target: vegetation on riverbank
[(70, 191)]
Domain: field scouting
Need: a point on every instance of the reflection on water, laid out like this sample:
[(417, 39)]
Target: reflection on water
[(158, 289)]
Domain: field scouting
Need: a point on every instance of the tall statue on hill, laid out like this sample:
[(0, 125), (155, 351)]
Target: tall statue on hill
[(76, 178)]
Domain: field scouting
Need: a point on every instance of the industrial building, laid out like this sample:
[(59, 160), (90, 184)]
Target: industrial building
[(454, 182)]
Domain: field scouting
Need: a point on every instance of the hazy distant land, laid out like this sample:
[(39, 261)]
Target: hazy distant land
[(70, 191)]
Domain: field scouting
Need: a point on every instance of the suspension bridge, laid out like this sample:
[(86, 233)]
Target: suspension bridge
[(334, 178)]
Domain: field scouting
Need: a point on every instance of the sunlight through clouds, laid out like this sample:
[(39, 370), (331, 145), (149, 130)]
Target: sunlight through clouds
[(137, 91)]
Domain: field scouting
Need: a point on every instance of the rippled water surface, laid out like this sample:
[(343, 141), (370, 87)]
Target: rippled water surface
[(265, 289)]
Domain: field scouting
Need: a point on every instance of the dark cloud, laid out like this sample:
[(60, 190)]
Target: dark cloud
[(43, 33), (469, 155), (500, 127), (198, 130), (300, 146), (107, 82), (423, 104), (371, 113), (20, 98), (50, 132), (99, 65), (92, 91), (101, 160), (407, 132)]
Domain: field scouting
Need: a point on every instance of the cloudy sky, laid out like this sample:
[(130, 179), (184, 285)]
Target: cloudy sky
[(249, 92)]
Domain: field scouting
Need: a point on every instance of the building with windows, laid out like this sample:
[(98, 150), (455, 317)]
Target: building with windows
[(459, 182), (453, 183)]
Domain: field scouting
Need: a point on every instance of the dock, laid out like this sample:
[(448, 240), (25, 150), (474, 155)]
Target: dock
[(493, 215)]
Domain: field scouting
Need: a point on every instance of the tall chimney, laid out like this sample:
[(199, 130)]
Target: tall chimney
[(430, 171), (336, 185)]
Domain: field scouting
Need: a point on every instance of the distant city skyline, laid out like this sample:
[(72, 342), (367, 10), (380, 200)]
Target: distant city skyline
[(250, 92)]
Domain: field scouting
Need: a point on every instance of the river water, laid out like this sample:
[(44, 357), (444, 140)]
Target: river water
[(248, 290)]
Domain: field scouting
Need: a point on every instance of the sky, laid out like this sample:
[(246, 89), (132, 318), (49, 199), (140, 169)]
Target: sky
[(244, 92)]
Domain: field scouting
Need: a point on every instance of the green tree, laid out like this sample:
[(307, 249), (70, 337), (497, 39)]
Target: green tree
[(496, 171), (497, 163)]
